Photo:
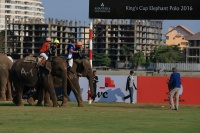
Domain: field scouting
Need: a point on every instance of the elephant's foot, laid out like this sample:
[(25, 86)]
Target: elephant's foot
[(2, 96), (9, 99), (56, 105), (64, 104), (30, 101), (20, 104), (39, 104), (15, 100), (47, 104), (2, 99), (81, 104)]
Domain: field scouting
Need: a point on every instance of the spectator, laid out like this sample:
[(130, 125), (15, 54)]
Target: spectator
[(129, 86), (174, 90), (95, 80)]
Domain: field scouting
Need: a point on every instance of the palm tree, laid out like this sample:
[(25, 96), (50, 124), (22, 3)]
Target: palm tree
[(126, 51)]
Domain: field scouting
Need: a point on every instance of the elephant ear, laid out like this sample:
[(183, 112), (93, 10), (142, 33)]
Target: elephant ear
[(48, 66)]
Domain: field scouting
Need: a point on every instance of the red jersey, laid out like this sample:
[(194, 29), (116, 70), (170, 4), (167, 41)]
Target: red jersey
[(44, 48)]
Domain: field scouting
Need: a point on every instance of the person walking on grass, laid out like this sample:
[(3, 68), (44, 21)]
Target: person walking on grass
[(129, 86), (174, 91)]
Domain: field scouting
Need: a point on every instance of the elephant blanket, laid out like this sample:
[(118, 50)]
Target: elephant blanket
[(32, 59)]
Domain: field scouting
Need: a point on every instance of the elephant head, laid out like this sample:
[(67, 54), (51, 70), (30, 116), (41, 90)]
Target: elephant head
[(58, 68), (86, 71)]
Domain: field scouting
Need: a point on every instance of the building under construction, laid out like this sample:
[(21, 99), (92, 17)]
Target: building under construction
[(139, 35), (23, 38), (26, 37)]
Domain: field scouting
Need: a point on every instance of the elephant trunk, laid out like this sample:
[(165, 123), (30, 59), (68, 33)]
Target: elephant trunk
[(64, 84)]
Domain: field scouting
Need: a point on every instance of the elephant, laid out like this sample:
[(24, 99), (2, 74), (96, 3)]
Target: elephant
[(72, 85), (25, 75), (5, 67)]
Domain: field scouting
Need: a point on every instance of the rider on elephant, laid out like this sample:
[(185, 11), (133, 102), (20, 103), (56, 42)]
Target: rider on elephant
[(44, 51), (70, 53), (77, 56), (53, 48)]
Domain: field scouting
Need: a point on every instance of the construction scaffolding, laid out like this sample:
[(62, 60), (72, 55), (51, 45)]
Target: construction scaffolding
[(24, 37), (139, 35)]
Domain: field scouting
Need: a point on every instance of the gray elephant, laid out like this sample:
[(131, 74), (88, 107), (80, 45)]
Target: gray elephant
[(5, 67), (26, 75), (72, 85)]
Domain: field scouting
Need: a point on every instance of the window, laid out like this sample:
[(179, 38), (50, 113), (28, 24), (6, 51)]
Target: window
[(179, 44), (183, 38), (167, 37), (174, 38)]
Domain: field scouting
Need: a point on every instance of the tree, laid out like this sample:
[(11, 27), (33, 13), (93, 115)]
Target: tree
[(102, 59), (138, 59), (166, 54), (126, 51)]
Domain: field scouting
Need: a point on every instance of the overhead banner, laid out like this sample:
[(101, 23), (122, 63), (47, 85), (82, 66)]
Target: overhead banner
[(145, 9)]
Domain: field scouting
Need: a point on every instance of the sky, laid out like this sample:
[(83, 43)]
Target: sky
[(79, 10)]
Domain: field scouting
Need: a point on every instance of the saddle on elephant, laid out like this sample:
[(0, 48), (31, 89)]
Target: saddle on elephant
[(34, 59)]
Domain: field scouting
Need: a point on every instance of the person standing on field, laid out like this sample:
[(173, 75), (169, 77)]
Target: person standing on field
[(129, 86), (174, 91), (95, 81)]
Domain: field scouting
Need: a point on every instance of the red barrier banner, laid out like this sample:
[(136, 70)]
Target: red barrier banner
[(155, 90)]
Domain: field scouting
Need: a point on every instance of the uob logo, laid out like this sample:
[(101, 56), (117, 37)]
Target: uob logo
[(108, 84)]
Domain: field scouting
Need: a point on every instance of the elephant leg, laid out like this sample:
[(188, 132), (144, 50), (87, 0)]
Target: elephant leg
[(68, 92), (3, 90), (19, 92), (9, 92), (3, 96), (47, 101), (32, 99), (40, 97), (79, 99), (76, 89), (65, 99), (48, 84)]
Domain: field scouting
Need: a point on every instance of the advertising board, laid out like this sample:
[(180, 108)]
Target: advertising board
[(109, 89), (144, 9)]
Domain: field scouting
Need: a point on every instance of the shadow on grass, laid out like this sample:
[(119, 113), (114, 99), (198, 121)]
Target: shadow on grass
[(11, 104)]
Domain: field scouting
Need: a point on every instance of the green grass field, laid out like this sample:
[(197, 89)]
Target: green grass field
[(99, 118)]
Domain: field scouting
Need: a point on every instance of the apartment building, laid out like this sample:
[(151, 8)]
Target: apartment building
[(28, 36), (139, 35), (20, 9), (177, 35), (192, 52)]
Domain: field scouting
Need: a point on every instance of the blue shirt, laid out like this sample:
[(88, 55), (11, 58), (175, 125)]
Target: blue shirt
[(69, 54), (175, 79)]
